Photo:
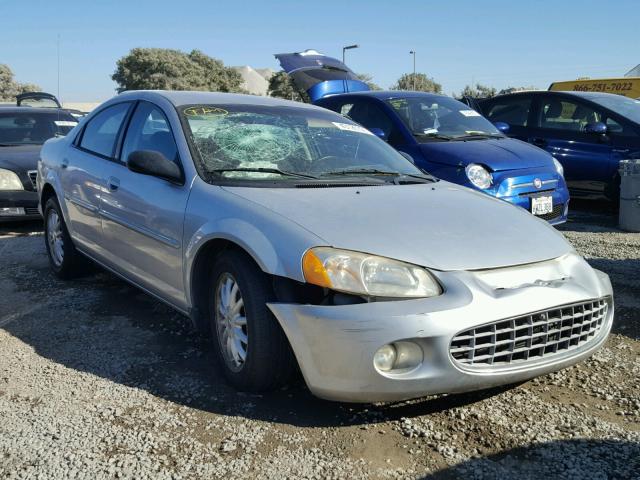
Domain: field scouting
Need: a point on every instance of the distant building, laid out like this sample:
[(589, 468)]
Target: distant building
[(634, 72), (255, 81)]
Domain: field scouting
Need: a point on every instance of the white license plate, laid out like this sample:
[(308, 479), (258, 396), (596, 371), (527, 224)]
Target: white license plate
[(541, 205)]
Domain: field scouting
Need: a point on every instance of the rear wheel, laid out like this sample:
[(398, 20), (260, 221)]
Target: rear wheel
[(250, 346), (65, 261)]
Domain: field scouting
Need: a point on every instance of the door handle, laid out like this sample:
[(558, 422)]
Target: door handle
[(113, 183), (538, 142), (64, 163)]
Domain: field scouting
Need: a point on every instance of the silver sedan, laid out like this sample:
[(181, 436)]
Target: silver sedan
[(297, 239)]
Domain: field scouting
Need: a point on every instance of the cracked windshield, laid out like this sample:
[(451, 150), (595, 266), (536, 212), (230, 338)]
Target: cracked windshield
[(443, 119), (274, 143)]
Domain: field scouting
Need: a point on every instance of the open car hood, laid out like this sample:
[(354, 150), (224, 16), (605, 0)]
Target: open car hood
[(37, 99), (319, 75)]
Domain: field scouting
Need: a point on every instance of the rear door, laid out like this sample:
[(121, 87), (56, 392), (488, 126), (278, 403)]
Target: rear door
[(319, 75), (559, 126), (82, 173), (143, 215)]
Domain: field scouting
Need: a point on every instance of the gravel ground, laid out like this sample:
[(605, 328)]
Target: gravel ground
[(98, 380)]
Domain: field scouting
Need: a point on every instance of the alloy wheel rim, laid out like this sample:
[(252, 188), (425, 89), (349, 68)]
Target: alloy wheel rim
[(54, 237), (231, 322)]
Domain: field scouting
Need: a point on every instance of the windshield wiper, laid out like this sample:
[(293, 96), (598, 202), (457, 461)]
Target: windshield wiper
[(360, 171), (439, 136), (472, 136), (375, 171), (284, 173)]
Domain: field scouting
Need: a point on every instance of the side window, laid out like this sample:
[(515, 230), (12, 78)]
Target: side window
[(514, 111), (345, 109), (566, 115), (149, 130), (101, 133), (616, 128), (370, 115)]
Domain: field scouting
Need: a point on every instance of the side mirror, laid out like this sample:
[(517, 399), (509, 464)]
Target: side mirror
[(378, 132), (151, 162), (502, 127), (407, 156), (597, 128)]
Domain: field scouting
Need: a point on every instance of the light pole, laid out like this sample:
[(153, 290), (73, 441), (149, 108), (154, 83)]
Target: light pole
[(348, 47), (413, 52)]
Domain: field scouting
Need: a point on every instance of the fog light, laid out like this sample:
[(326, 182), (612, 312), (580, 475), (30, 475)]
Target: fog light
[(400, 356), (384, 358), (408, 355), (11, 211)]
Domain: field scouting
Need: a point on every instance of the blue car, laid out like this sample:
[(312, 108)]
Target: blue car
[(440, 134), (588, 132)]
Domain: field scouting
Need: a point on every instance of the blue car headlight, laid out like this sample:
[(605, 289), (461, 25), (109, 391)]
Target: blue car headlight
[(478, 176), (559, 167)]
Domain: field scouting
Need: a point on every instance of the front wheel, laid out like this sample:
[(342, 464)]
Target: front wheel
[(250, 346)]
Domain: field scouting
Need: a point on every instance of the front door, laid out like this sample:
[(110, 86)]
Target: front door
[(143, 215), (560, 129)]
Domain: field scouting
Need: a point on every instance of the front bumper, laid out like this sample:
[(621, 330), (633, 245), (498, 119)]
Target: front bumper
[(24, 200), (335, 345)]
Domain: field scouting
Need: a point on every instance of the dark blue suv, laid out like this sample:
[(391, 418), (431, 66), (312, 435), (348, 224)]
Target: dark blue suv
[(588, 132), (441, 135)]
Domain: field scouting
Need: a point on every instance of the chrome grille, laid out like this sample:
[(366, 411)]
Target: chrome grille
[(530, 337), (33, 175)]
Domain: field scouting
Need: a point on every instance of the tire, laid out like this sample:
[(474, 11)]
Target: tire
[(65, 261), (268, 361)]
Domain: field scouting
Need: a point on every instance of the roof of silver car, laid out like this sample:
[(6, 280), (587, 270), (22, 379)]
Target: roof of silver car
[(179, 98)]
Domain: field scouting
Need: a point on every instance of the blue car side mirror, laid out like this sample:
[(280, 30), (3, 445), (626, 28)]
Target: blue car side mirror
[(378, 132), (502, 127), (597, 128)]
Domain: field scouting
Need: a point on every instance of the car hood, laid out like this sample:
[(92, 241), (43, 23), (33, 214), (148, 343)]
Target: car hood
[(319, 75), (20, 157), (442, 226), (497, 154)]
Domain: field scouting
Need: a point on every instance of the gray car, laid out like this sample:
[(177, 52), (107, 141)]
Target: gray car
[(300, 240)]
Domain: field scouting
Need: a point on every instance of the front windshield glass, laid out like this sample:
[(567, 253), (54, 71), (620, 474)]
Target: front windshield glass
[(441, 118), (625, 106), (248, 142), (33, 128)]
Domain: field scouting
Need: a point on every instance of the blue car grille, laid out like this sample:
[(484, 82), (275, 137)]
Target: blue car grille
[(530, 337)]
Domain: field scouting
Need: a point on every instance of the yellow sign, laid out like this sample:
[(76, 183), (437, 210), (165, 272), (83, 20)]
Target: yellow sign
[(627, 86)]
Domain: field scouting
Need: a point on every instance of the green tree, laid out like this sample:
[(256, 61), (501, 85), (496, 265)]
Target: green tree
[(419, 82), (281, 86), (9, 88), (368, 79), (479, 91), (166, 69)]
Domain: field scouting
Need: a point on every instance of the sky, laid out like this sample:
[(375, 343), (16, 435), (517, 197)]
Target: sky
[(497, 43)]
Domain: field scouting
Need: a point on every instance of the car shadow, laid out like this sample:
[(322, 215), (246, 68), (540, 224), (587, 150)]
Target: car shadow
[(576, 458)]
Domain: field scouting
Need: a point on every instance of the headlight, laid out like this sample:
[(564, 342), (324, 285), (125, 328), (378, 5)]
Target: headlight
[(362, 274), (559, 167), (478, 176), (9, 180)]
